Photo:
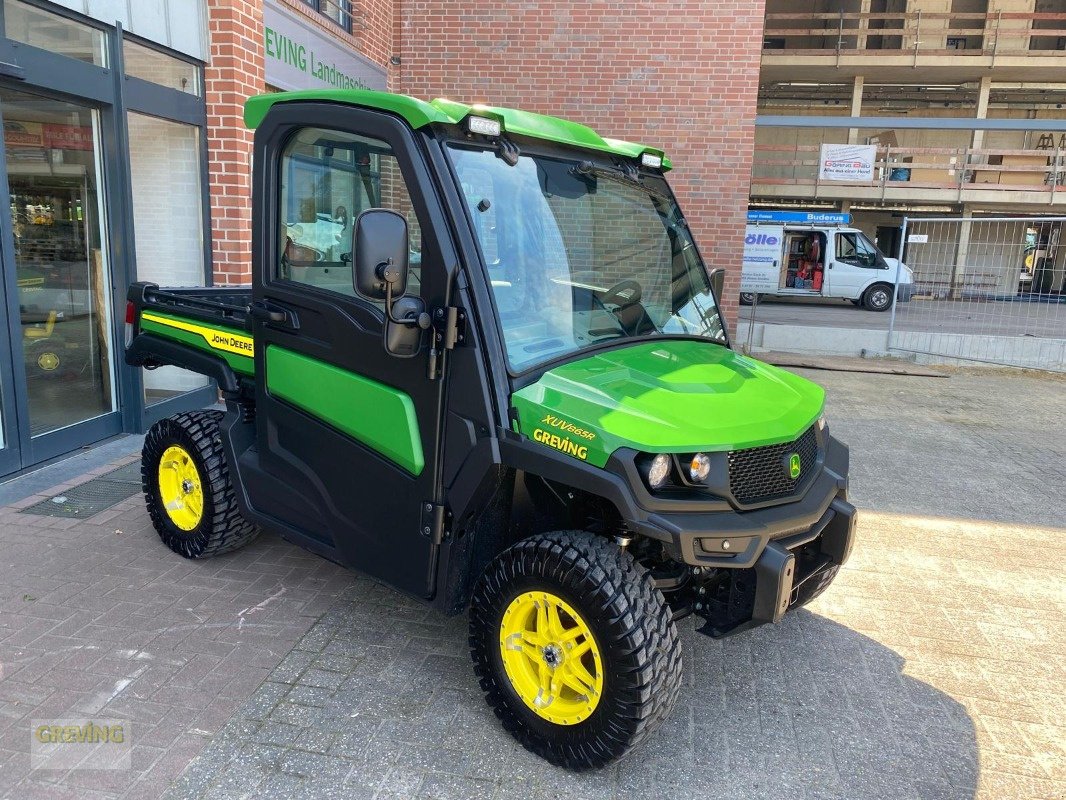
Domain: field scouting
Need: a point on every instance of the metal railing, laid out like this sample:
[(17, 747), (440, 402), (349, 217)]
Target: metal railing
[(927, 33), (986, 290), (954, 171)]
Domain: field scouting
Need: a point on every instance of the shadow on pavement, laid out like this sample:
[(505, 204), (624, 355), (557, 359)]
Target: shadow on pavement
[(808, 708)]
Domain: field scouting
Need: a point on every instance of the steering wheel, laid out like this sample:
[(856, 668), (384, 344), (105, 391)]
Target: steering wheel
[(627, 287)]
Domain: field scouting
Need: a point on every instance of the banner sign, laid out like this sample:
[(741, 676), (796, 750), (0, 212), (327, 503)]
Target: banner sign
[(847, 162), (808, 217), (299, 55), (760, 270)]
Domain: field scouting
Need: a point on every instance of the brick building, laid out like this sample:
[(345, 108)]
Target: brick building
[(127, 157)]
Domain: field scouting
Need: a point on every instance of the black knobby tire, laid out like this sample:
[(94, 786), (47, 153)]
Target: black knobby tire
[(221, 527), (630, 620), (878, 297)]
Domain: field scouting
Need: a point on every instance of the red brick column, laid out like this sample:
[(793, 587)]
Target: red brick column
[(682, 75), (234, 73)]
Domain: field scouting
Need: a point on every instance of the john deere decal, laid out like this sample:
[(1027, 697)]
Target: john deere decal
[(219, 340)]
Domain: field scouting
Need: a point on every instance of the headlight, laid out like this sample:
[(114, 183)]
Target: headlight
[(822, 423), (700, 467), (659, 471)]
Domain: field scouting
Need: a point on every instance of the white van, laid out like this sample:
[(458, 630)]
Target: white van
[(818, 260)]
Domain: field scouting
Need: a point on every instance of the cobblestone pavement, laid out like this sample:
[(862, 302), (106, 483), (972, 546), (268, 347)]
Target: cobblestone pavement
[(98, 619), (932, 668)]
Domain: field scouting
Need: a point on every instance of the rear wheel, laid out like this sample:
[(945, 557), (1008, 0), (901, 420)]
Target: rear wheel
[(187, 487), (747, 298), (575, 648), (878, 297)]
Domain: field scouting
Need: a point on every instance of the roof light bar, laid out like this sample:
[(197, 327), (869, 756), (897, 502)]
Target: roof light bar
[(483, 125), (651, 161)]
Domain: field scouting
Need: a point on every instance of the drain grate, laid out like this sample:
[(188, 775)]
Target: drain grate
[(93, 496), (131, 473)]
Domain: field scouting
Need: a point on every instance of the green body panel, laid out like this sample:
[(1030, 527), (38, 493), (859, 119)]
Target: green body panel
[(673, 396), (239, 363), (377, 415), (448, 112)]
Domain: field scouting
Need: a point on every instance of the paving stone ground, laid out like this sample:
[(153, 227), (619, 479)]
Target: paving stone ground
[(934, 666)]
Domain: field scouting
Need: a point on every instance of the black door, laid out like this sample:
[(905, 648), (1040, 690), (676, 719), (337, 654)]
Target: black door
[(347, 434)]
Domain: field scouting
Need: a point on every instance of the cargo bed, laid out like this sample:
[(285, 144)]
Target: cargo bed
[(203, 329)]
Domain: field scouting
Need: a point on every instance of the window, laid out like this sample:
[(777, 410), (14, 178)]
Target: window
[(340, 11), (39, 28), (327, 179), (168, 223), (151, 65), (578, 260), (856, 249)]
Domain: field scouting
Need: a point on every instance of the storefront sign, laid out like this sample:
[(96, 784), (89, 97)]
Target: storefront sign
[(847, 162), (807, 217), (300, 56), (47, 134)]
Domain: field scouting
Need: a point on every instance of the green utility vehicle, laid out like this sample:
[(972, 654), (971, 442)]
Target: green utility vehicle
[(481, 360)]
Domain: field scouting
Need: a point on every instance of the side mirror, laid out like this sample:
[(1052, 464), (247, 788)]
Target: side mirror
[(717, 282), (379, 254)]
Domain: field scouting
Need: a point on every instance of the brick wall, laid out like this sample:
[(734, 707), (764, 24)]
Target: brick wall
[(679, 74), (234, 72)]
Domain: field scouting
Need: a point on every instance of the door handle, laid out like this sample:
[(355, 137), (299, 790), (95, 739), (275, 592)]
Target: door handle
[(263, 313)]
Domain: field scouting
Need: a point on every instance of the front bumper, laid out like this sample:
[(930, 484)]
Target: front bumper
[(733, 539), (755, 572), (759, 564)]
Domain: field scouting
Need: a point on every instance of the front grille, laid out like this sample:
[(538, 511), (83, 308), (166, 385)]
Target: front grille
[(759, 474)]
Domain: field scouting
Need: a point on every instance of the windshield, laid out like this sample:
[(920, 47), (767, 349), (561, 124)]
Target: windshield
[(578, 257)]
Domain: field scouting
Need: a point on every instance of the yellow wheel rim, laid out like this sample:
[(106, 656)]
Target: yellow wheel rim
[(180, 489), (551, 658)]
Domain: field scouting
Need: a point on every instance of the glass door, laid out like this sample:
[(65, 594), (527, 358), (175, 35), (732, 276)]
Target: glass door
[(64, 355)]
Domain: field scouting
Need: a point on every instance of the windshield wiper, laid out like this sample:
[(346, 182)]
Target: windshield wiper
[(628, 176)]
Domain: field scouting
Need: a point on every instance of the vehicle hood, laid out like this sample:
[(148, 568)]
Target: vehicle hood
[(905, 274), (669, 396)]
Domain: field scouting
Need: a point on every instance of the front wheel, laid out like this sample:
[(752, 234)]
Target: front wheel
[(575, 648), (747, 298), (878, 297)]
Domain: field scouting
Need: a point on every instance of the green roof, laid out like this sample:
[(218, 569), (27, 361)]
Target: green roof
[(419, 113)]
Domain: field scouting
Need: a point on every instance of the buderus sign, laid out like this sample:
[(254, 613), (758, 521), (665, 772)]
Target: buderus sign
[(808, 217)]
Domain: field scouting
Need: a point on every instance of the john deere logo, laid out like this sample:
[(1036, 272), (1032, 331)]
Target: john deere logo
[(794, 466)]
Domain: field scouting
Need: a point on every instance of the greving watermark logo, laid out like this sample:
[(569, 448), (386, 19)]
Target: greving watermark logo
[(80, 743)]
